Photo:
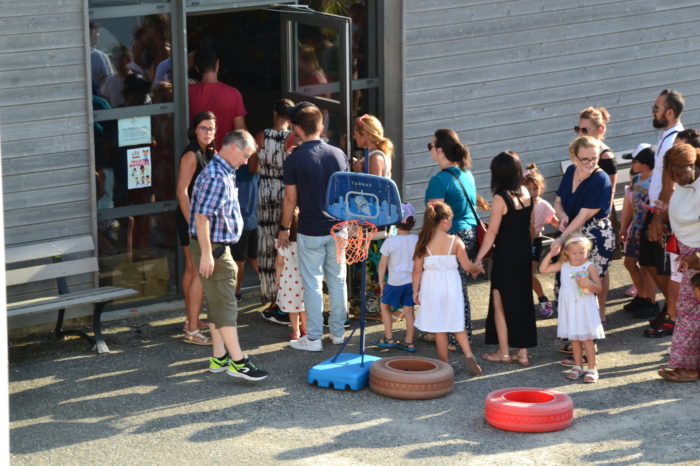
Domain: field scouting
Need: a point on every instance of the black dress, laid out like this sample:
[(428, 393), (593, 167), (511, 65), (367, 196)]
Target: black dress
[(511, 274)]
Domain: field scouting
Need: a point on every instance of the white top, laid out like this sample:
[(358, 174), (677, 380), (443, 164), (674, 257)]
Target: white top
[(399, 249), (666, 139), (684, 213)]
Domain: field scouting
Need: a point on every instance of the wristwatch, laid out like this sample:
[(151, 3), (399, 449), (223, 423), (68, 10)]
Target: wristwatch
[(284, 228)]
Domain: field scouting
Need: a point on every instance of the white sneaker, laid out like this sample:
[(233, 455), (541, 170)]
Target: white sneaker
[(337, 340), (305, 344)]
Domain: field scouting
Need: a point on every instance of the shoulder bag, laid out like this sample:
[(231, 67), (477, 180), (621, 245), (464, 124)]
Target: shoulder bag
[(481, 226)]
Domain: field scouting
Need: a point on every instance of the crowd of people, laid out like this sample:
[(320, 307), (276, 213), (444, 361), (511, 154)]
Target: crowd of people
[(424, 278)]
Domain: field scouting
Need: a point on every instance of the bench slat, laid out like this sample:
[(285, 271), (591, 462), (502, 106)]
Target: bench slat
[(49, 271), (48, 249), (52, 303)]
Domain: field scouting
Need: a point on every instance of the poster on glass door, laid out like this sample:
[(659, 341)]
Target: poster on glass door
[(139, 162)]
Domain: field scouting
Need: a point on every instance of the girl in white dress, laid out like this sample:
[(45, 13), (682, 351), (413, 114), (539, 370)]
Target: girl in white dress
[(437, 286), (579, 320), (290, 291)]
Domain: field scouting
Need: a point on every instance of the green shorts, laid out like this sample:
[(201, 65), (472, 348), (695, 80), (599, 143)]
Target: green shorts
[(220, 287)]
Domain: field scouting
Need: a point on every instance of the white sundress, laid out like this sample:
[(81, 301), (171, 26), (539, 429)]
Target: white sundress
[(578, 311), (441, 298), (290, 291)]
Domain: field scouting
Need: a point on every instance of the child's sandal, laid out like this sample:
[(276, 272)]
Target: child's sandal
[(590, 376), (574, 373), (405, 346)]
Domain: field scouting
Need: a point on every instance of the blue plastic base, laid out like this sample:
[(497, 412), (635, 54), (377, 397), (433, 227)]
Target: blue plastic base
[(346, 372)]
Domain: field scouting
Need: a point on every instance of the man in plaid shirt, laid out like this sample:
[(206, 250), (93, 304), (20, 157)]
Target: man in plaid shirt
[(215, 224)]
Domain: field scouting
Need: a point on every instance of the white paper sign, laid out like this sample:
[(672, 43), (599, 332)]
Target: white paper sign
[(136, 130), (139, 163)]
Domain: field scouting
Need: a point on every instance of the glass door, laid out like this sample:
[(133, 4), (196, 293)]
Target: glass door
[(137, 135), (316, 68)]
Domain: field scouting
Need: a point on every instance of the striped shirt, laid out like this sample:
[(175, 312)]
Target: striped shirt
[(215, 195)]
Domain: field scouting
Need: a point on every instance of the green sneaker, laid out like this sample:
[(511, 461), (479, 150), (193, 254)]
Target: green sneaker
[(219, 365)]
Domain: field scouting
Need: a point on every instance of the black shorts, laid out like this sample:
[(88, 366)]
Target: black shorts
[(652, 253), (537, 248), (246, 247), (182, 227)]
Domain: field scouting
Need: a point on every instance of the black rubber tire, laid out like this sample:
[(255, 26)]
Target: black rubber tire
[(411, 378)]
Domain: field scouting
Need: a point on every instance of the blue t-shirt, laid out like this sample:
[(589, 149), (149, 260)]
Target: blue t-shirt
[(247, 185), (309, 168), (444, 186), (594, 192)]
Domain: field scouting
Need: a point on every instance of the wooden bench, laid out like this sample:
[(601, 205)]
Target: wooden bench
[(47, 261)]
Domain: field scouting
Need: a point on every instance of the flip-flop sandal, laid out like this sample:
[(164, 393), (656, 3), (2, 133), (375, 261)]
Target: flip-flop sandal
[(506, 359), (196, 338), (569, 362), (404, 346), (384, 343)]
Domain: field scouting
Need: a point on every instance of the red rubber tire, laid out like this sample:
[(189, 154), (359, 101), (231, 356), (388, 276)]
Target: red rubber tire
[(411, 378), (528, 409)]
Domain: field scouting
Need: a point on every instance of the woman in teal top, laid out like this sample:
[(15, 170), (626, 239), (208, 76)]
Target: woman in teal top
[(454, 184)]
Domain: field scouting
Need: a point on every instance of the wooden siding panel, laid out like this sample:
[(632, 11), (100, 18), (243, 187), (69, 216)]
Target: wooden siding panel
[(42, 180), (45, 145), (43, 128), (25, 234), (33, 8), (74, 56), (38, 198), (46, 213), (38, 41), (42, 76), (515, 74), (27, 95), (43, 24), (42, 162)]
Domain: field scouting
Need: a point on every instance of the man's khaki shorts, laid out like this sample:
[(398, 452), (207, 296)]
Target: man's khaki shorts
[(220, 287)]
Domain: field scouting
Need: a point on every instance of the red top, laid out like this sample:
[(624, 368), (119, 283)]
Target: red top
[(223, 100)]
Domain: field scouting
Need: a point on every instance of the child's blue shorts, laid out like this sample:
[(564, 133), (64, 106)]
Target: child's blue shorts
[(398, 296)]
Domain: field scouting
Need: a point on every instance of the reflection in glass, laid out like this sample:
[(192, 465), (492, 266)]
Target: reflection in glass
[(139, 252), (129, 57)]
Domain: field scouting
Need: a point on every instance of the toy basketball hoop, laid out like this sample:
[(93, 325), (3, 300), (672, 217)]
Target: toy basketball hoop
[(352, 240)]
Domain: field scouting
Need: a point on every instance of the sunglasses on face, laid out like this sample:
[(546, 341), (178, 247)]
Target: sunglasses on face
[(582, 130)]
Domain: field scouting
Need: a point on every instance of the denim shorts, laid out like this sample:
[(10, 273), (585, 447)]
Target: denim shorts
[(398, 296)]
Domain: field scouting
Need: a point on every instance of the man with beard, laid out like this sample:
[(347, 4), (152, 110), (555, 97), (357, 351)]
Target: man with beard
[(653, 256)]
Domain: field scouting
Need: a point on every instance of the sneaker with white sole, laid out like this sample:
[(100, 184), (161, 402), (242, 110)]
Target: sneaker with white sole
[(246, 370), (337, 340), (306, 344), (219, 365)]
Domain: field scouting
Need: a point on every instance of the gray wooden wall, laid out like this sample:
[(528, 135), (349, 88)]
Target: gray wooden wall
[(47, 180), (514, 75)]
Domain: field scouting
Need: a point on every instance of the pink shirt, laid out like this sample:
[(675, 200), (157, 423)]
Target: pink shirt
[(544, 212)]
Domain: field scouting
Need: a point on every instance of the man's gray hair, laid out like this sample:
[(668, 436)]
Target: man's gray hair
[(241, 138)]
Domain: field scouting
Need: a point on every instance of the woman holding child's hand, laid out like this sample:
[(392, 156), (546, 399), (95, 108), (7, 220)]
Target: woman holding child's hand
[(511, 318)]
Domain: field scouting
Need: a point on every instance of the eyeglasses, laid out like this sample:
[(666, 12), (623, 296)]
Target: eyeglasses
[(581, 129), (587, 159), (206, 129), (656, 108), (431, 146)]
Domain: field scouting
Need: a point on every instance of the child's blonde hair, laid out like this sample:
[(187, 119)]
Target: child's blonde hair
[(435, 213), (575, 238), (532, 175)]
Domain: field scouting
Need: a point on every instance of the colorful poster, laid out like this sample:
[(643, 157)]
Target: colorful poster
[(133, 131), (139, 162)]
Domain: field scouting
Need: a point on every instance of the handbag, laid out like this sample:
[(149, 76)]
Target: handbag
[(481, 226)]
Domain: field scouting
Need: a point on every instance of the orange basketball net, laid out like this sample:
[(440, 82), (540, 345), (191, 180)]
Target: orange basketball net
[(352, 240)]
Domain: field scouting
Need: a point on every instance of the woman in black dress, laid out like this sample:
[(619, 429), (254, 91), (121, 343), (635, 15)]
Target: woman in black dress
[(510, 321)]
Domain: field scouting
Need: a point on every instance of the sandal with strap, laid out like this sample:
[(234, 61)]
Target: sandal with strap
[(590, 376), (385, 343), (574, 373), (678, 375), (406, 346), (569, 362), (201, 325), (473, 367), (196, 338), (494, 357)]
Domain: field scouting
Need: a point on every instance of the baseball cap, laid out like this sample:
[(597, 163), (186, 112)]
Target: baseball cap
[(644, 153)]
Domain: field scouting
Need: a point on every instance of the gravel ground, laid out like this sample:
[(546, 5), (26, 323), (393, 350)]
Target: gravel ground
[(151, 401)]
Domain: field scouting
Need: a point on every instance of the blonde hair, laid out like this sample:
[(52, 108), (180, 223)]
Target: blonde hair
[(575, 238), (599, 116), (582, 141), (370, 126)]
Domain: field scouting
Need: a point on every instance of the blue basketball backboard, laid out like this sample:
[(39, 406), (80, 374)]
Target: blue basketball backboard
[(359, 196)]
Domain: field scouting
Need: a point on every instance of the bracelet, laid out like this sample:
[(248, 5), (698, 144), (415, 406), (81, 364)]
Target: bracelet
[(284, 228)]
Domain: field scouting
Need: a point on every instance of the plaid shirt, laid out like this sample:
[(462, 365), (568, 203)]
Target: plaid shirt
[(215, 195)]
